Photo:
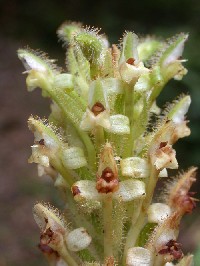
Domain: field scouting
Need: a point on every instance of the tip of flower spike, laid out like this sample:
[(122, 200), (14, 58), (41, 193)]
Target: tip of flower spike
[(67, 31), (90, 43)]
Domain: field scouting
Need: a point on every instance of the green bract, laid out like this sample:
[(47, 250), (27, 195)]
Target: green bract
[(105, 145)]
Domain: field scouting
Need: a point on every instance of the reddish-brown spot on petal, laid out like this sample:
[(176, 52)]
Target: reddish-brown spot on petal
[(163, 144), (97, 108), (75, 190), (130, 61)]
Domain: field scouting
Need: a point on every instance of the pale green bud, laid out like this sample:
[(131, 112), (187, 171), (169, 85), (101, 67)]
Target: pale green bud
[(67, 31)]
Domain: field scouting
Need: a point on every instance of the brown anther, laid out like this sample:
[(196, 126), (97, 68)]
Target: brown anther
[(163, 144), (75, 190), (41, 142), (97, 108), (173, 248), (107, 174), (108, 182), (130, 61)]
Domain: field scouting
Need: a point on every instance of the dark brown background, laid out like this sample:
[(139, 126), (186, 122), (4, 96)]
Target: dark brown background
[(35, 23)]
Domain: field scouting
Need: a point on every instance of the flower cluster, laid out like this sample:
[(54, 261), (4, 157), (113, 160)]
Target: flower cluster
[(105, 145)]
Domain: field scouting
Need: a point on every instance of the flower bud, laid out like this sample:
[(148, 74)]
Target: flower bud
[(67, 31), (90, 44)]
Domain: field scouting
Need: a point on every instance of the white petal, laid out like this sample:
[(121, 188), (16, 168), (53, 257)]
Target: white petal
[(158, 212), (134, 167), (130, 190), (139, 256), (78, 239)]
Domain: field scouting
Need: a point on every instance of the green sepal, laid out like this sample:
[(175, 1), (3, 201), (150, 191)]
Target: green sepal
[(147, 48), (67, 31), (145, 233), (129, 47)]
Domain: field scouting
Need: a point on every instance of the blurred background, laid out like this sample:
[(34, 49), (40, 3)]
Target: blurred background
[(34, 23)]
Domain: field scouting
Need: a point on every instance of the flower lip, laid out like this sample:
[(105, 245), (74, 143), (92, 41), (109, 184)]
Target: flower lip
[(130, 61), (108, 182), (75, 190), (108, 174)]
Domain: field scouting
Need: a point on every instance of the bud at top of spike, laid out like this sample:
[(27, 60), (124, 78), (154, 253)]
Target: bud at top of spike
[(90, 44), (68, 29)]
